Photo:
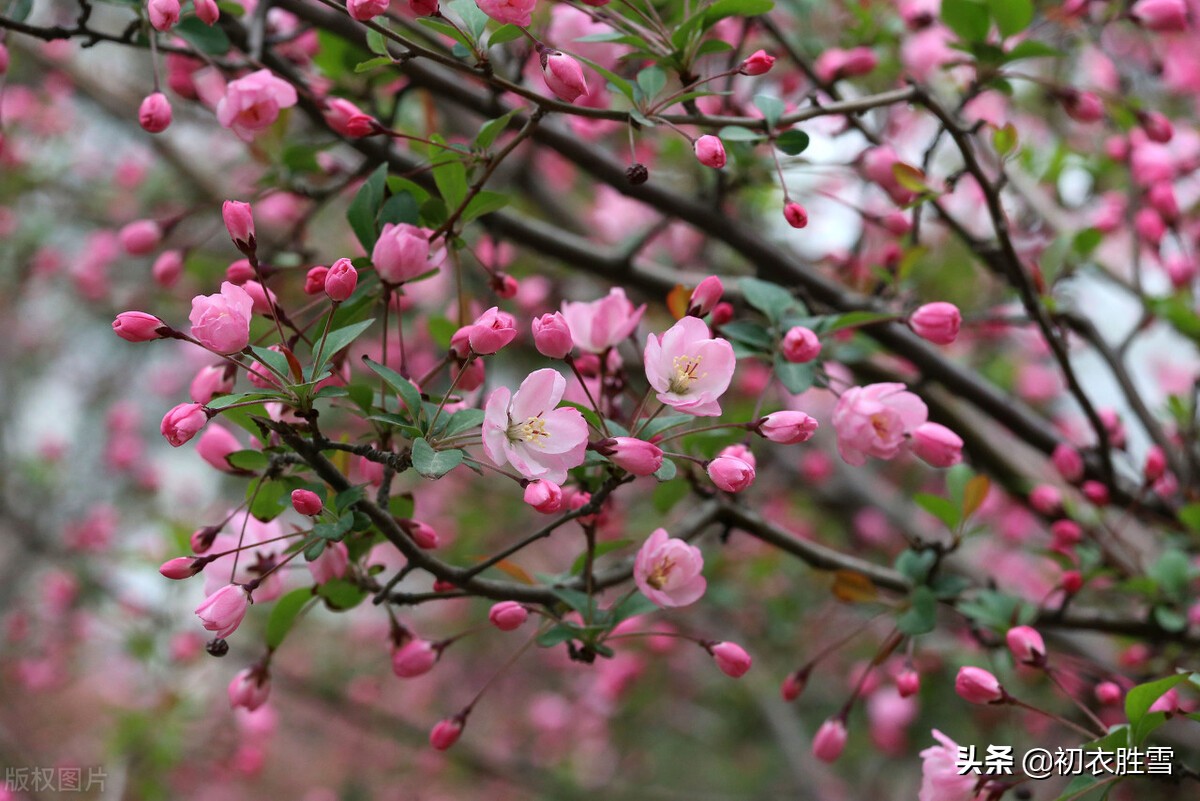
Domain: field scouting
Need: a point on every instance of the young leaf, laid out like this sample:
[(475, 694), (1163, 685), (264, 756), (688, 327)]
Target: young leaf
[(283, 615), (431, 463)]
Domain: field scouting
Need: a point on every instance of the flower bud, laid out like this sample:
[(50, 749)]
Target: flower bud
[(731, 658), (705, 296), (507, 615), (1068, 462), (1096, 492), (491, 331), (240, 272), (3, 59), (1026, 645), (167, 268), (552, 335), (1156, 464), (314, 281), (363, 10), (1162, 16), (1156, 125), (307, 502), (937, 445), (183, 422), (215, 445), (800, 345), (794, 685), (154, 114), (164, 14), (348, 119), (140, 237), (222, 612), (249, 689), (731, 473), (341, 280), (936, 322), (182, 567), (414, 658), (830, 740), (787, 428), (710, 151), (422, 534), (136, 326), (978, 686), (446, 733), (908, 682), (795, 214), (1082, 106), (563, 75), (632, 454), (1072, 581), (757, 63), (1108, 693), (207, 11), (544, 496), (1046, 499), (239, 222)]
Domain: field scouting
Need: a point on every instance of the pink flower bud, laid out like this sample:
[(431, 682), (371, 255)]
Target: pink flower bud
[(140, 237), (1162, 197), (209, 382), (721, 314), (1083, 106), (1149, 225), (348, 119), (504, 285), (422, 534), (181, 567), (183, 422), (1067, 534), (249, 689), (545, 496), (800, 345), (491, 331), (240, 272), (307, 502), (830, 740), (1163, 16), (1072, 581), (632, 454), (446, 733), (936, 322), (787, 428), (794, 685), (164, 14), (154, 114), (563, 75), (1114, 427), (221, 322), (423, 8), (757, 63), (705, 296), (1108, 693), (508, 615), (3, 59), (1096, 492), (795, 215), (552, 335), (1046, 499), (261, 299), (215, 445), (341, 280), (908, 682), (710, 151), (937, 445), (222, 612), (167, 268), (1026, 645), (978, 686), (1156, 125), (731, 658), (136, 326), (207, 11), (314, 281), (1068, 462), (414, 658), (363, 10), (239, 222), (730, 472), (1156, 464), (896, 222)]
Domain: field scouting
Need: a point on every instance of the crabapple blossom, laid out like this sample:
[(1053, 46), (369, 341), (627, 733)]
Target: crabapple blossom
[(689, 369), (632, 454), (800, 345), (222, 612), (491, 331), (563, 75), (221, 322), (787, 428), (307, 502), (544, 496), (515, 12), (341, 280), (731, 658), (415, 658), (978, 686), (705, 296), (875, 420), (528, 431), (446, 733), (937, 445), (668, 570), (757, 63), (507, 615), (154, 113), (830, 740), (183, 422), (1026, 645), (941, 778), (733, 470), (710, 151), (403, 252), (135, 326), (252, 103), (937, 322), (552, 335), (249, 689), (604, 323)]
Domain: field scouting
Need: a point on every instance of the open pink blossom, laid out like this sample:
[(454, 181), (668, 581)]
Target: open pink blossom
[(253, 102), (688, 368), (603, 323), (668, 570), (515, 12), (222, 612), (526, 430), (940, 777), (221, 322), (875, 420), (402, 252)]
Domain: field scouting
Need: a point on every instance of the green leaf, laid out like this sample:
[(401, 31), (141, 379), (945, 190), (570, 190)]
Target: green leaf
[(409, 396), (557, 635), (503, 34), (662, 423), (270, 499), (967, 18), (602, 548), (796, 378), (283, 615), (472, 16), (377, 42), (634, 605), (667, 471), (771, 299), (1170, 619), (212, 41), (19, 11), (616, 81), (735, 8), (1004, 140), (915, 565), (1188, 515), (273, 359), (793, 142), (372, 63), (921, 615), (484, 203), (248, 460), (855, 319), (431, 463), (463, 420), (711, 46), (771, 108), (739, 133), (340, 594), (222, 401), (941, 508), (669, 493), (444, 28), (749, 333), (581, 602), (451, 178), (335, 531), (1172, 572), (1032, 49), (1138, 702), (493, 128), (399, 208), (363, 209), (1012, 16), (341, 338), (651, 81)]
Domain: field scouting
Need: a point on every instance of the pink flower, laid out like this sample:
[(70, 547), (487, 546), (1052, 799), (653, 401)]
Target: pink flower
[(1083, 106), (215, 444), (183, 422), (710, 151), (668, 570), (552, 335), (800, 345), (423, 534), (705, 296), (878, 165), (795, 215), (731, 658), (526, 430), (167, 268), (940, 777), (136, 326), (207, 11), (347, 118), (689, 369), (314, 280), (414, 658), (1026, 645), (222, 612), (875, 420), (154, 114), (830, 740), (249, 689), (787, 428), (908, 683), (563, 75), (544, 496), (632, 454), (221, 322), (936, 322), (517, 12), (239, 222), (508, 615), (140, 237), (937, 445), (835, 64), (1046, 499), (402, 253), (757, 63), (307, 502), (331, 564), (491, 331), (1108, 692), (1166, 16), (164, 14), (733, 469), (363, 10), (1156, 464), (603, 323), (978, 686), (1068, 462), (209, 382), (253, 103), (181, 567), (446, 733), (341, 280)]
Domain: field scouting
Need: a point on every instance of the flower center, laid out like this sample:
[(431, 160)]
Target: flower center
[(686, 371), (881, 423), (533, 430), (658, 577)]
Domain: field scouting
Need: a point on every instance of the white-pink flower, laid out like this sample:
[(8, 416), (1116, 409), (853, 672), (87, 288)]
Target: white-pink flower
[(516, 12), (688, 368), (667, 570), (875, 420), (603, 323), (940, 779), (221, 322), (526, 430), (253, 102)]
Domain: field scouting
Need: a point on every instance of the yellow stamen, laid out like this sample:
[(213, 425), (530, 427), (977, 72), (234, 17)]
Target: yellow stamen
[(686, 371)]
